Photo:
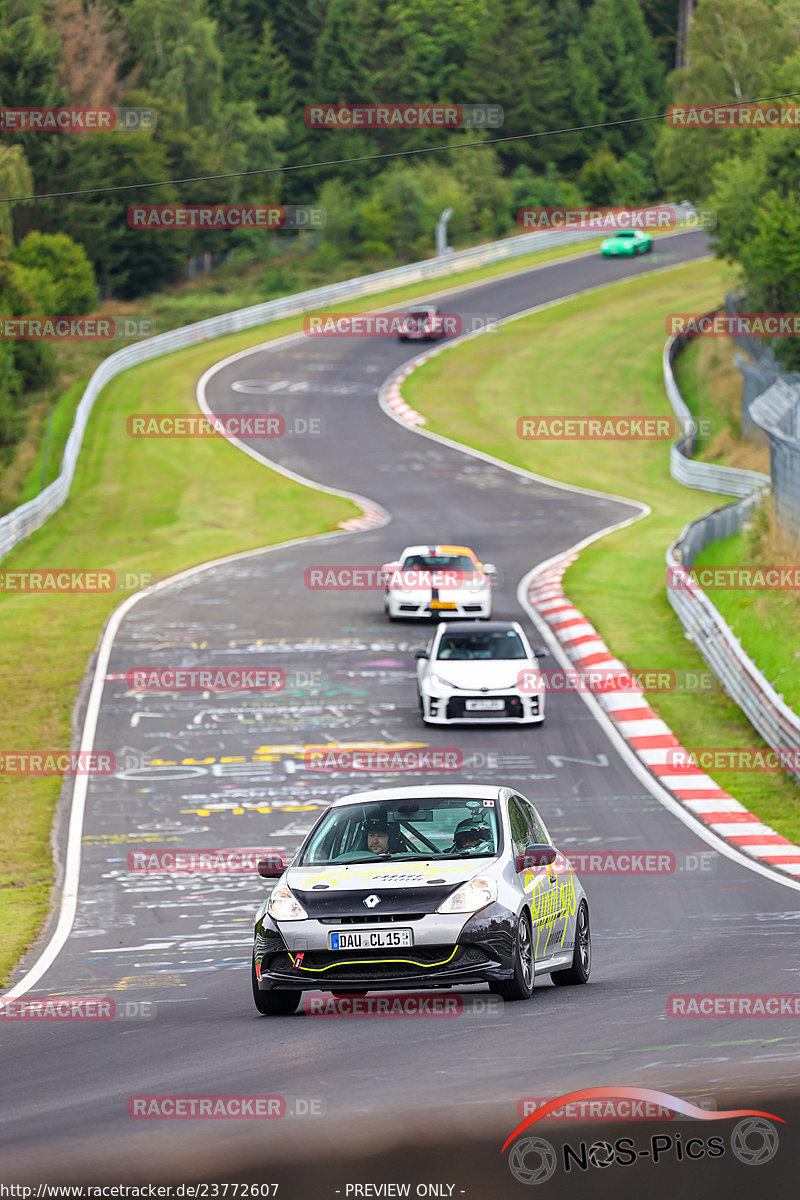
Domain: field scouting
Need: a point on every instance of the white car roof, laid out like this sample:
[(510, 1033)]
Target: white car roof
[(467, 791), (431, 547)]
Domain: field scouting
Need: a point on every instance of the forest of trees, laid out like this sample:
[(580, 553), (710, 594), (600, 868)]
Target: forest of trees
[(230, 81)]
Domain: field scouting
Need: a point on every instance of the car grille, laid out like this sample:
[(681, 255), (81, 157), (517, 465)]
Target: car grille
[(456, 707), (396, 904), (370, 919), (422, 958)]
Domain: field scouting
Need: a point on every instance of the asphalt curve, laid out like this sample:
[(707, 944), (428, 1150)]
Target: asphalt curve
[(227, 771)]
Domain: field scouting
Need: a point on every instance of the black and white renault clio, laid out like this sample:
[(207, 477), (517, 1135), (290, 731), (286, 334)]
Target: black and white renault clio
[(419, 887)]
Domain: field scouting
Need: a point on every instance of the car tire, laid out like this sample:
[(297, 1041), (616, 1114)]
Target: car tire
[(582, 954), (520, 986), (274, 1003)]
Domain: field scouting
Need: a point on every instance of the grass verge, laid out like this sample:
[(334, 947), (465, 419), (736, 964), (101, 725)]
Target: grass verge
[(711, 385), (601, 355), (767, 622)]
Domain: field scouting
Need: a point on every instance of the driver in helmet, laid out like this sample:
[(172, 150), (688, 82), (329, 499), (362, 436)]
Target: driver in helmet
[(469, 836), (377, 834)]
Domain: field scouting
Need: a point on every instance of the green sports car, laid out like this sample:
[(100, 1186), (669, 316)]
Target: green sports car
[(627, 241)]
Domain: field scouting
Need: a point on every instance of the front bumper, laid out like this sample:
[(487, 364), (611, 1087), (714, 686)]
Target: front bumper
[(449, 708), (474, 605), (482, 953)]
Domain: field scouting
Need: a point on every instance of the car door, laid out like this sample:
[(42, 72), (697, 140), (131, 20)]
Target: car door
[(540, 884), (425, 665), (565, 892)]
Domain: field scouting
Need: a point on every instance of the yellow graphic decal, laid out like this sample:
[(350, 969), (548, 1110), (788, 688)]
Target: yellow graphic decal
[(549, 907), (377, 874), (360, 962)]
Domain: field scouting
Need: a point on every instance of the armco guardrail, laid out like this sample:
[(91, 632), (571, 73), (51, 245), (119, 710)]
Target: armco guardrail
[(764, 708), (22, 521), (708, 477), (744, 683), (777, 413)]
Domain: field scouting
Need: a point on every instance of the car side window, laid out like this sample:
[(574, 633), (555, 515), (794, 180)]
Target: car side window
[(520, 829), (539, 831)]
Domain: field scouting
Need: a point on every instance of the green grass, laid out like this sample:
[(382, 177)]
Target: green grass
[(711, 385), (766, 622), (601, 354)]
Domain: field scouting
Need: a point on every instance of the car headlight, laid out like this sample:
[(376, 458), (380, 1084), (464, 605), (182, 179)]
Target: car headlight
[(283, 905), (471, 896), (438, 681)]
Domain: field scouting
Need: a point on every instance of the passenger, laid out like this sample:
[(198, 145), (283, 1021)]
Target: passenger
[(470, 837)]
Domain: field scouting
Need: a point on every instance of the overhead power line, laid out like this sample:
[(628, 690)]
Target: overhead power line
[(338, 162)]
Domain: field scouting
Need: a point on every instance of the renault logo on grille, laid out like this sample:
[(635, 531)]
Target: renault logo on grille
[(371, 901)]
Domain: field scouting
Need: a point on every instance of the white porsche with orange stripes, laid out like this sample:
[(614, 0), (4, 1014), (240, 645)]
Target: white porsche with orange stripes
[(434, 582)]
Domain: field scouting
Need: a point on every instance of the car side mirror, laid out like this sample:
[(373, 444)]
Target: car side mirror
[(541, 652), (536, 856), (489, 569), (272, 866), (419, 653)]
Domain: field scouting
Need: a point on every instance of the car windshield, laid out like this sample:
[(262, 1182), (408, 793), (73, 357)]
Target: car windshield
[(405, 830), (626, 233), (494, 644), (438, 562)]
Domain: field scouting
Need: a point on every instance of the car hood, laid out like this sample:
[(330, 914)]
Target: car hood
[(481, 673), (385, 874)]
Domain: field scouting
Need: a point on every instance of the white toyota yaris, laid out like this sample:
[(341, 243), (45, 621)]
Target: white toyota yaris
[(480, 672)]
